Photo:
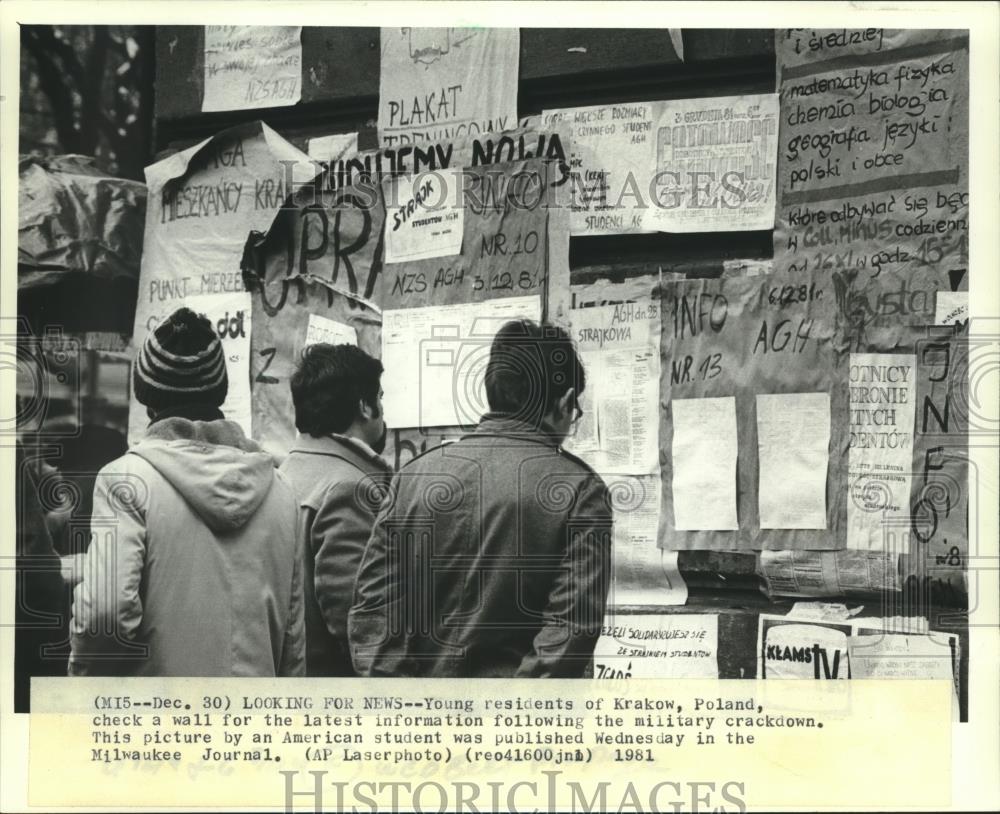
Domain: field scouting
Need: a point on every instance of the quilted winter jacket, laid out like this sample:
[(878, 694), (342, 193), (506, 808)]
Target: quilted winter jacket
[(194, 566)]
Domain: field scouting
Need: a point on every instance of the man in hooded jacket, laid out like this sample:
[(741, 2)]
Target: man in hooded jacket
[(194, 567)]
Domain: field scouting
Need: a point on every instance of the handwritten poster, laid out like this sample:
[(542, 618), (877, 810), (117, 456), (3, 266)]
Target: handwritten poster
[(509, 246), (704, 454), (793, 440), (612, 154), (438, 357), (941, 495), (437, 84), (425, 216), (202, 203), (252, 66), (309, 311), (231, 315), (714, 165), (882, 399), (744, 337), (484, 149), (667, 645), (873, 159), (620, 349)]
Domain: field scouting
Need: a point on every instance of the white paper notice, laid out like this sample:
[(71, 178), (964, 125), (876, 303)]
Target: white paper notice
[(202, 204), (644, 574), (881, 445), (424, 216), (658, 646), (793, 440), (612, 158), (704, 452), (329, 331), (715, 165), (951, 307), (230, 315), (332, 148), (252, 66), (895, 655), (620, 349), (789, 649), (439, 84), (437, 357)]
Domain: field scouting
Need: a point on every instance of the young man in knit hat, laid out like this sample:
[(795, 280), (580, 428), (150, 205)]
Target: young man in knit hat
[(340, 479), (194, 567)]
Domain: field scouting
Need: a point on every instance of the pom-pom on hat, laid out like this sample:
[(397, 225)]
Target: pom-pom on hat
[(181, 363)]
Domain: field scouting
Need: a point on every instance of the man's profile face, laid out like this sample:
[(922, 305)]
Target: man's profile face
[(377, 431)]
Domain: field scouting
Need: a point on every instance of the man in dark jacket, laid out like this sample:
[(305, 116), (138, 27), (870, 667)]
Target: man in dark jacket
[(491, 555), (339, 480)]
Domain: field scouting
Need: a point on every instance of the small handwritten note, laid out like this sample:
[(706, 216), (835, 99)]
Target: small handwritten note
[(252, 66)]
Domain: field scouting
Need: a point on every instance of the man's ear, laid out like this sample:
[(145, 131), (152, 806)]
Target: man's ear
[(365, 410), (567, 401)]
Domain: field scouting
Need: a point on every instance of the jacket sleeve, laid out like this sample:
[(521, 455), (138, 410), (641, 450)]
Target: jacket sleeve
[(293, 649), (574, 612), (340, 531), (107, 607), (374, 622)]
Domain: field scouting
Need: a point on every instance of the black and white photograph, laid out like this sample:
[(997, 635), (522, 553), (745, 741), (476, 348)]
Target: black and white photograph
[(535, 341)]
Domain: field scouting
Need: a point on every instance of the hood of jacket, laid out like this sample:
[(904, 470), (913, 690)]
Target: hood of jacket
[(223, 475)]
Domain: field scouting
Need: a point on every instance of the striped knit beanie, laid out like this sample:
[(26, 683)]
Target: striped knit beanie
[(181, 363)]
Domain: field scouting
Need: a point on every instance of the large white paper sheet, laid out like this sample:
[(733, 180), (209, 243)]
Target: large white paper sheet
[(644, 574), (715, 165), (252, 66), (425, 217), (667, 645), (230, 315), (704, 452), (437, 84), (435, 359), (793, 440), (882, 399), (620, 349)]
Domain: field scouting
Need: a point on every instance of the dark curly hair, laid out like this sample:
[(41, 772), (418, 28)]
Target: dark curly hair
[(327, 385)]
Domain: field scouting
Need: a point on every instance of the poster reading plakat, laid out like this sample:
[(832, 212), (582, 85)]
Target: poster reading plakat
[(714, 165), (252, 66), (882, 398), (436, 84)]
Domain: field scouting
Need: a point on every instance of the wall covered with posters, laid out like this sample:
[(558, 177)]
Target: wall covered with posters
[(758, 240)]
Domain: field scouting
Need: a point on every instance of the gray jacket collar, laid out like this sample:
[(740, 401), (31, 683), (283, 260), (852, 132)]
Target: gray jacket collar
[(340, 446), (500, 424)]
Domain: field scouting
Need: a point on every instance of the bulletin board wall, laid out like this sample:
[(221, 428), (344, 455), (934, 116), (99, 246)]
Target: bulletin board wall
[(560, 69)]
